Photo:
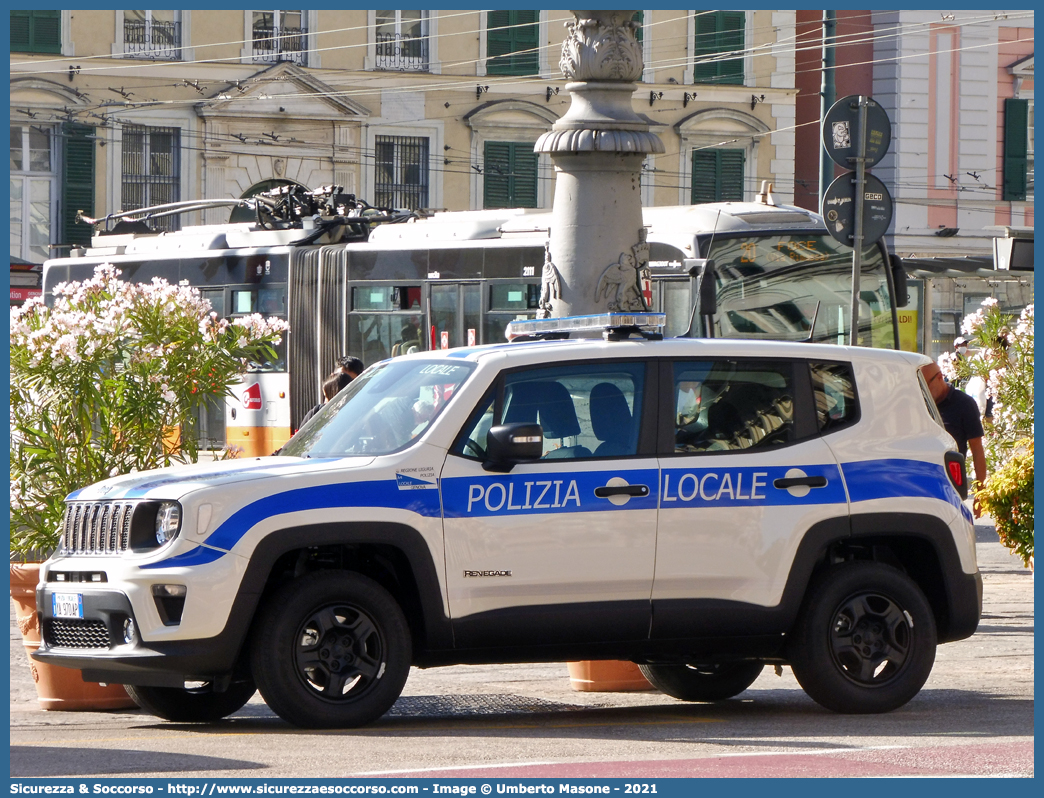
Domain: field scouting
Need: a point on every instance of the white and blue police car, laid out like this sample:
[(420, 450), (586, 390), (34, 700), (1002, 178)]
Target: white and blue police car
[(700, 507)]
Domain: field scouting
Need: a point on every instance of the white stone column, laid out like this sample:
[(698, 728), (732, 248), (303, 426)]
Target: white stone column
[(597, 247)]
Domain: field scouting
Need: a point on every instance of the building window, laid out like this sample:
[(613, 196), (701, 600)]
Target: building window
[(512, 43), (401, 166), (639, 17), (152, 170), (280, 36), (152, 34), (1016, 149), (36, 32), (402, 40), (717, 175), (33, 192), (509, 175), (718, 33)]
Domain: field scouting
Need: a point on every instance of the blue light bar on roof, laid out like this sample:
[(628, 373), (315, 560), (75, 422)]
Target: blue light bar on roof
[(600, 321)]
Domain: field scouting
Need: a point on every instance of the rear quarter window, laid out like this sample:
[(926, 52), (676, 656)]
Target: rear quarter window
[(834, 388)]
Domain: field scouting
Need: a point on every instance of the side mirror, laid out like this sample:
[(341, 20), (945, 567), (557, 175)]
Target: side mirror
[(704, 271), (902, 293), (509, 444)]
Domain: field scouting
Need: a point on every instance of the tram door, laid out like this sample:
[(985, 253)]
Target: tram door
[(456, 314)]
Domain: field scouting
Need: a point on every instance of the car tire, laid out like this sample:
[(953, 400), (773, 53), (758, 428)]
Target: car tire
[(192, 705), (331, 650), (865, 639), (703, 682)]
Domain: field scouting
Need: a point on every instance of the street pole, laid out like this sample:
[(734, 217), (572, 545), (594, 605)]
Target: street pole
[(597, 250), (827, 98), (857, 237)]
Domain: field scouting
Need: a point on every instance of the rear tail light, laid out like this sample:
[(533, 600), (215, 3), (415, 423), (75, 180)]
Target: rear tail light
[(956, 472)]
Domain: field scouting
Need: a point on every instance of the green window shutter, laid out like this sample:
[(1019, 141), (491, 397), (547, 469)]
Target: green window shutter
[(77, 182), (719, 32), (508, 34), (509, 175), (496, 167), (639, 17), (731, 170), (36, 32), (524, 176), (1016, 147), (717, 175)]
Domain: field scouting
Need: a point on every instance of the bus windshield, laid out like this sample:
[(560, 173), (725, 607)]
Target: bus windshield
[(799, 288), (383, 410)]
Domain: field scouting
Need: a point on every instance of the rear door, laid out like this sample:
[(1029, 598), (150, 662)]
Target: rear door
[(562, 550), (744, 475)]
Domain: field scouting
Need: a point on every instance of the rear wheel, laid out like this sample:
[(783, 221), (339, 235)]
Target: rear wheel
[(331, 650), (865, 640), (192, 705), (703, 682)]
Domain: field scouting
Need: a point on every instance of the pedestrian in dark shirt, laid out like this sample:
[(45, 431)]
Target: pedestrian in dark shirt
[(960, 416), (332, 386)]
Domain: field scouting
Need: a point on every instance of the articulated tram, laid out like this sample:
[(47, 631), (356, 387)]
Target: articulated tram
[(458, 278)]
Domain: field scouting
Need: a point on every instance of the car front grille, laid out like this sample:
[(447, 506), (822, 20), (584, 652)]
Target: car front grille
[(75, 634), (96, 527)]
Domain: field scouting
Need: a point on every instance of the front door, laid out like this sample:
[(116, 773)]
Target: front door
[(560, 550)]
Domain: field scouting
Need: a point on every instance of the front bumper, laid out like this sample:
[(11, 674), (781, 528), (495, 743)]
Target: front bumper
[(96, 645)]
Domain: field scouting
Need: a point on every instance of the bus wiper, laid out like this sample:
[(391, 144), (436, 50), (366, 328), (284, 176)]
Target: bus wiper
[(812, 329)]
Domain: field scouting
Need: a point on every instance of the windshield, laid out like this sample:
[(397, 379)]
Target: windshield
[(799, 288), (383, 410)]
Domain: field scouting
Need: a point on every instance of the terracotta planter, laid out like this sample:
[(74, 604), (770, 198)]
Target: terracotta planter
[(56, 688), (606, 676)]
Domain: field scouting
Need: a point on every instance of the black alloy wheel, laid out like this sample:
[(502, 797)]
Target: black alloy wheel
[(865, 639), (330, 650)]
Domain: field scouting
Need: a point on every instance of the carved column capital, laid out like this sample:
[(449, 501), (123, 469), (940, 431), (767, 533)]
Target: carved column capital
[(601, 45)]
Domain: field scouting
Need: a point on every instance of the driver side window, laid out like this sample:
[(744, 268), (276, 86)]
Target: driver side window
[(585, 410)]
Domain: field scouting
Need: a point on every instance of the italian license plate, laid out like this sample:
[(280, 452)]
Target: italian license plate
[(67, 605)]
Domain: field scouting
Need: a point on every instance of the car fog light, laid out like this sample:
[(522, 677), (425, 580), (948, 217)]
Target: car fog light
[(130, 633), (169, 590)]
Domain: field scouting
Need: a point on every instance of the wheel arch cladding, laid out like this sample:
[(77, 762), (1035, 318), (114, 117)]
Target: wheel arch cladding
[(393, 555), (923, 546)]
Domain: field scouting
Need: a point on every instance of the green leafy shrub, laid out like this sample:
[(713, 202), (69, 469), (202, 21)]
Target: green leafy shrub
[(110, 380)]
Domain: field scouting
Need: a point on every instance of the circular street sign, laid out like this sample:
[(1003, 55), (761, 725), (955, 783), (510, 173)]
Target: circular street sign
[(839, 209), (841, 132)]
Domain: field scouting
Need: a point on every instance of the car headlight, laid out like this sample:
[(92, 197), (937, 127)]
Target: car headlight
[(168, 521)]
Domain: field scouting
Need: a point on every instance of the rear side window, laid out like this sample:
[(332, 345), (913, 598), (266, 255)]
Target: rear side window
[(929, 400), (836, 403), (725, 405)]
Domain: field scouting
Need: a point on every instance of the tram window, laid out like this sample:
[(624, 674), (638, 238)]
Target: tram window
[(216, 297), (272, 301), (677, 304), (496, 324), (517, 296), (386, 297), (242, 302)]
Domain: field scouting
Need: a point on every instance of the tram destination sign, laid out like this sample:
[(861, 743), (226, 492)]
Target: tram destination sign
[(839, 209), (841, 132)]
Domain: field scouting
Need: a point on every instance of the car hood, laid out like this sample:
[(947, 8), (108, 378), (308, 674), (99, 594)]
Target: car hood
[(176, 481)]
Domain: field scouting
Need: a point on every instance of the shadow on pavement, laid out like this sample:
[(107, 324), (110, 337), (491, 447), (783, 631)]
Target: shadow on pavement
[(37, 761)]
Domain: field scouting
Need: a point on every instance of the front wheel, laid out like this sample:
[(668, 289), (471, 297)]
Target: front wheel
[(331, 650), (703, 682), (200, 704), (865, 639)]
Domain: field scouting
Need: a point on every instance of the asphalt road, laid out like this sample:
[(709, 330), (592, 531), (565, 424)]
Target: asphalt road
[(973, 718)]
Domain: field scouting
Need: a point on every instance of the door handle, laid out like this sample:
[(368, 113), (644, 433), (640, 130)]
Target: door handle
[(606, 491), (796, 482)]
